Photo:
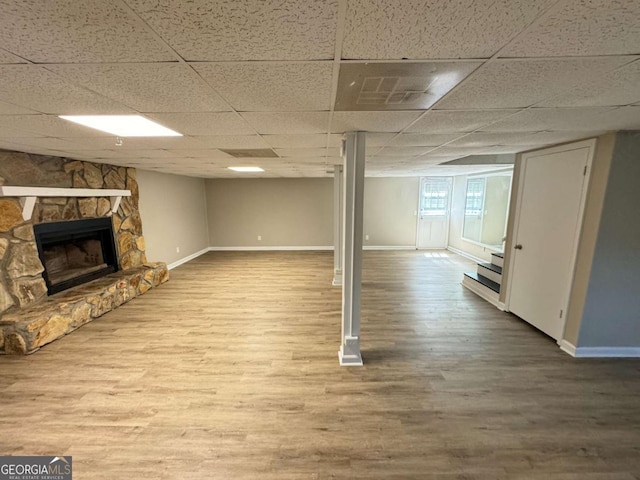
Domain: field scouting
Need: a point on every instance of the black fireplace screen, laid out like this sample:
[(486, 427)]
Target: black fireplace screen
[(75, 252)]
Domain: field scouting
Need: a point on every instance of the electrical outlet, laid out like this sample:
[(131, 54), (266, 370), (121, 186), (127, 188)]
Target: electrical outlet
[(366, 237), (177, 249), (259, 237)]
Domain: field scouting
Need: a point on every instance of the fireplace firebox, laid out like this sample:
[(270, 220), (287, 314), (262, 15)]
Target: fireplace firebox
[(75, 252)]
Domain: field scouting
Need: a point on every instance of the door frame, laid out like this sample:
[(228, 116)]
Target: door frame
[(524, 158), (449, 202)]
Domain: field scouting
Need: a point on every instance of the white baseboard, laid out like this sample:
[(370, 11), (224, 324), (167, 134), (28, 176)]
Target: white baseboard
[(567, 347), (300, 248), (389, 247), (269, 249), (177, 263), (467, 255), (486, 293), (599, 352)]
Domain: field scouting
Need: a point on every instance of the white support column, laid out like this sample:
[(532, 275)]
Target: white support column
[(353, 212), (337, 225)]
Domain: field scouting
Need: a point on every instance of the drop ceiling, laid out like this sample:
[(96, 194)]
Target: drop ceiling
[(431, 80)]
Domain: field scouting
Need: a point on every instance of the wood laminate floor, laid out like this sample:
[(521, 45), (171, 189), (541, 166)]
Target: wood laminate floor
[(230, 371)]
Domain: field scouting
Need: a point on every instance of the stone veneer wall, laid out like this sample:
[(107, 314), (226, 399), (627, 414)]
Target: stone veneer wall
[(21, 281)]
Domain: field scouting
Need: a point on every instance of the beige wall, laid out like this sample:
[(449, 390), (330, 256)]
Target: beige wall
[(285, 212), (298, 212), (390, 206), (173, 214)]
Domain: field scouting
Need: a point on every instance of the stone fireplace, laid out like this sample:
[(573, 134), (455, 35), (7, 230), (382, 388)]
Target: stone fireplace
[(74, 259), (75, 252)]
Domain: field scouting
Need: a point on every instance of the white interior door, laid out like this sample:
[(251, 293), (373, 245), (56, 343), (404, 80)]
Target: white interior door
[(433, 212), (550, 202)]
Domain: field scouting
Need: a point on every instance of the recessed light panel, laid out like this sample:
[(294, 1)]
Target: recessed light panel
[(123, 125), (246, 169)]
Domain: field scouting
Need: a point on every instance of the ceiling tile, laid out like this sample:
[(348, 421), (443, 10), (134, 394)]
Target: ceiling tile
[(199, 153), (371, 121), (47, 125), (232, 141), (75, 31), (168, 143), (90, 154), (422, 140), (7, 132), (421, 29), (455, 151), (623, 118), (439, 156), (488, 139), (377, 139), (40, 142), (306, 161), (139, 143), (16, 147), (108, 142), (540, 119), (498, 149), (260, 86), (202, 30), (582, 27), (437, 121), (553, 138), (11, 109), (8, 58), (142, 153), (159, 87), (222, 123), (311, 140), (621, 87), (50, 143), (288, 123), (34, 87), (522, 83), (303, 152), (86, 154), (402, 151)]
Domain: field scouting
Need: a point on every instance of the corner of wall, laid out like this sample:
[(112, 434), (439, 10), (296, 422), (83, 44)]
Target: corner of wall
[(596, 190)]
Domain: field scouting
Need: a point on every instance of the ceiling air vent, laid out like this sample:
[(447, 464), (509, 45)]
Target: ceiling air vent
[(397, 86), (250, 152)]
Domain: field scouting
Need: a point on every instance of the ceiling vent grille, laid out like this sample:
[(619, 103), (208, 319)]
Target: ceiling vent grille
[(250, 152), (397, 86)]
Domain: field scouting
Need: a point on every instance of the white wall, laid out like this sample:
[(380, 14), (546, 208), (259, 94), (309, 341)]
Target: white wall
[(390, 211), (173, 211)]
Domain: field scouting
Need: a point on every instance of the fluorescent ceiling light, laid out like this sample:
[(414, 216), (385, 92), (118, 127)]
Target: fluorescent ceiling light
[(123, 125), (246, 169)]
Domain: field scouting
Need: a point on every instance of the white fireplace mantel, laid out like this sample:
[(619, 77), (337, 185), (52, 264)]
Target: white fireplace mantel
[(29, 195)]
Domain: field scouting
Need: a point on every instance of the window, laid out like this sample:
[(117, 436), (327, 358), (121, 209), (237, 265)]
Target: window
[(486, 207), (434, 198), (475, 196)]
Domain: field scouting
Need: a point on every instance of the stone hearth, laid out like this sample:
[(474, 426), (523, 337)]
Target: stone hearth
[(28, 317), (27, 329)]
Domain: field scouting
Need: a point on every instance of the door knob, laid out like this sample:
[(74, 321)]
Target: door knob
[(518, 247)]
